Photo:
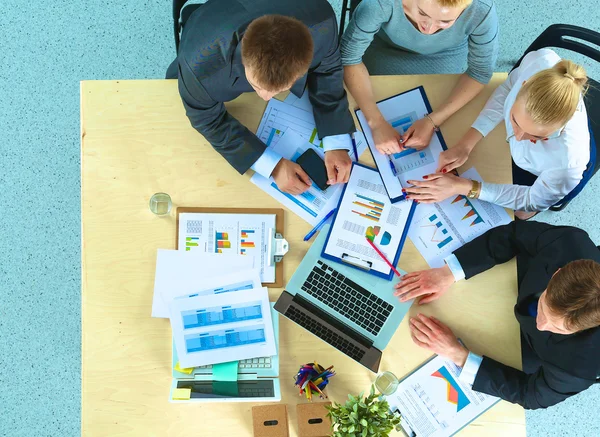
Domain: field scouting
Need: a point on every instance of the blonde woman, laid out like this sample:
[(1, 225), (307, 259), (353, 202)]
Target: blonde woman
[(419, 37), (541, 104)]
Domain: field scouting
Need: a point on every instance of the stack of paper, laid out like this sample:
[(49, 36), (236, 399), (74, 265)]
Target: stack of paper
[(181, 273), (289, 129), (222, 327), (218, 309)]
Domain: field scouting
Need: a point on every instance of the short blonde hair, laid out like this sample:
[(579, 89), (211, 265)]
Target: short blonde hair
[(454, 3), (552, 95)]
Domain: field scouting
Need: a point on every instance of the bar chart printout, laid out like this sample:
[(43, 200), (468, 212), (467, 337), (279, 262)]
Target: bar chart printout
[(229, 234), (441, 228), (434, 402), (365, 215), (215, 328), (368, 208)]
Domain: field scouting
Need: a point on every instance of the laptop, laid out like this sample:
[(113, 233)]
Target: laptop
[(353, 311), (257, 380)]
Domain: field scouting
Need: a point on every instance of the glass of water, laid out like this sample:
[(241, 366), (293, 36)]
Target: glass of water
[(160, 204), (386, 383)]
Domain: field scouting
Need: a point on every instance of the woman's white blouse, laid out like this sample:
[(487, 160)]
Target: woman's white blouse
[(559, 161)]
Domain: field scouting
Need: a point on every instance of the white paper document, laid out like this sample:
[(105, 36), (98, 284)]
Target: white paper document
[(434, 402), (313, 204), (179, 273), (366, 212), (301, 103), (222, 327), (439, 229), (239, 234), (401, 112), (279, 117)]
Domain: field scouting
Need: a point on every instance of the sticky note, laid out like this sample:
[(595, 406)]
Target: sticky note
[(187, 370), (225, 371), (181, 394)]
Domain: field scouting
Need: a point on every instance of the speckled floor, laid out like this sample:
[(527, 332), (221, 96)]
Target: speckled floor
[(45, 50)]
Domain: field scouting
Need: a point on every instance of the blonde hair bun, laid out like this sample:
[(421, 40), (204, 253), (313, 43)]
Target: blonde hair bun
[(552, 95)]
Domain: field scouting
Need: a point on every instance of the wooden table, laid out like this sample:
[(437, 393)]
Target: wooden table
[(136, 141)]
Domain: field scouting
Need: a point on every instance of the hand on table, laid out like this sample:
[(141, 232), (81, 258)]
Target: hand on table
[(437, 187), (431, 334), (290, 178), (338, 164), (386, 138), (428, 285), (452, 158), (418, 136)]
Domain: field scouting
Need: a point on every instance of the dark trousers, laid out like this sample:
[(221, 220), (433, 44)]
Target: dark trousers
[(522, 177)]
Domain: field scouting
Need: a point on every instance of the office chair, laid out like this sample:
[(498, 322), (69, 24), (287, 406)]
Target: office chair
[(348, 8), (561, 36), (180, 16)]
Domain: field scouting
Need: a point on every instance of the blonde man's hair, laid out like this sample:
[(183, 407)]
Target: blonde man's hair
[(454, 3), (552, 95)]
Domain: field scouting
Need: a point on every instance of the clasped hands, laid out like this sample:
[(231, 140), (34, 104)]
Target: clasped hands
[(443, 183), (291, 178), (428, 332)]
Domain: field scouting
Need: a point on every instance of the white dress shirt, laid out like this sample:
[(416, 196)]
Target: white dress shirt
[(559, 161), (267, 162)]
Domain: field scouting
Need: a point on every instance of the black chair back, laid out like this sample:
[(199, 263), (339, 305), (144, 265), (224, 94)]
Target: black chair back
[(561, 36), (348, 8), (177, 5)]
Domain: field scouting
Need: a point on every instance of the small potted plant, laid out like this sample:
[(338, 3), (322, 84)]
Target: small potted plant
[(362, 417)]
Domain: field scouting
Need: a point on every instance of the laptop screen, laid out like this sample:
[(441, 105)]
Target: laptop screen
[(262, 388)]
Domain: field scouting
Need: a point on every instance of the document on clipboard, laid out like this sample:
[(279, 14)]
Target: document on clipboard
[(434, 402), (401, 111), (255, 232), (365, 212)]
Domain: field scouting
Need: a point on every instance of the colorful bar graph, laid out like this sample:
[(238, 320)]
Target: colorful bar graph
[(222, 241), (313, 135), (191, 242), (370, 217), (246, 232), (247, 244), (372, 201), (443, 243)]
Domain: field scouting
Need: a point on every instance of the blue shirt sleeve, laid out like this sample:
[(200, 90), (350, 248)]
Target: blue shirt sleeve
[(483, 48), (267, 162), (365, 23), (470, 369), (337, 142), (455, 267)]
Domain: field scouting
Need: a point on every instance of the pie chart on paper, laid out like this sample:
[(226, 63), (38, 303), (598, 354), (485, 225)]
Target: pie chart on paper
[(372, 232), (386, 238)]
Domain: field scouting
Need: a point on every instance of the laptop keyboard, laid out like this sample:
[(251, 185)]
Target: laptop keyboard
[(324, 333), (347, 298), (252, 363)]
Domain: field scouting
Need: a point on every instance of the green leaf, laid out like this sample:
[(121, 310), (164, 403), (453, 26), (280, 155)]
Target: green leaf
[(351, 429), (365, 431), (372, 389), (355, 408), (363, 422)]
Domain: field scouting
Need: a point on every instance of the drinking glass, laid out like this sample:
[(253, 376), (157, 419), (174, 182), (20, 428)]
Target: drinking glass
[(386, 383), (160, 204)]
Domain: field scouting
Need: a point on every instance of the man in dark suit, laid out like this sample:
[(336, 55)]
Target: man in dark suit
[(229, 47), (558, 309)]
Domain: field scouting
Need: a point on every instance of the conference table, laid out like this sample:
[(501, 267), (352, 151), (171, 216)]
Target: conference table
[(135, 141)]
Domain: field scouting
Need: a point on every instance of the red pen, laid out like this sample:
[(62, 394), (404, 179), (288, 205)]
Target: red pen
[(384, 258)]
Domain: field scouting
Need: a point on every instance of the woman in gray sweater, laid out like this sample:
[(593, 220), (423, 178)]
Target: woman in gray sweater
[(419, 37)]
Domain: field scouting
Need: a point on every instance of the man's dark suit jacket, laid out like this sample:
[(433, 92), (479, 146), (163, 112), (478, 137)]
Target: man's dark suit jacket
[(568, 363), (211, 72)]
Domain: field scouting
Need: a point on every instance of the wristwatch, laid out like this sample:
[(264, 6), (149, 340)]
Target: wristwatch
[(475, 189)]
